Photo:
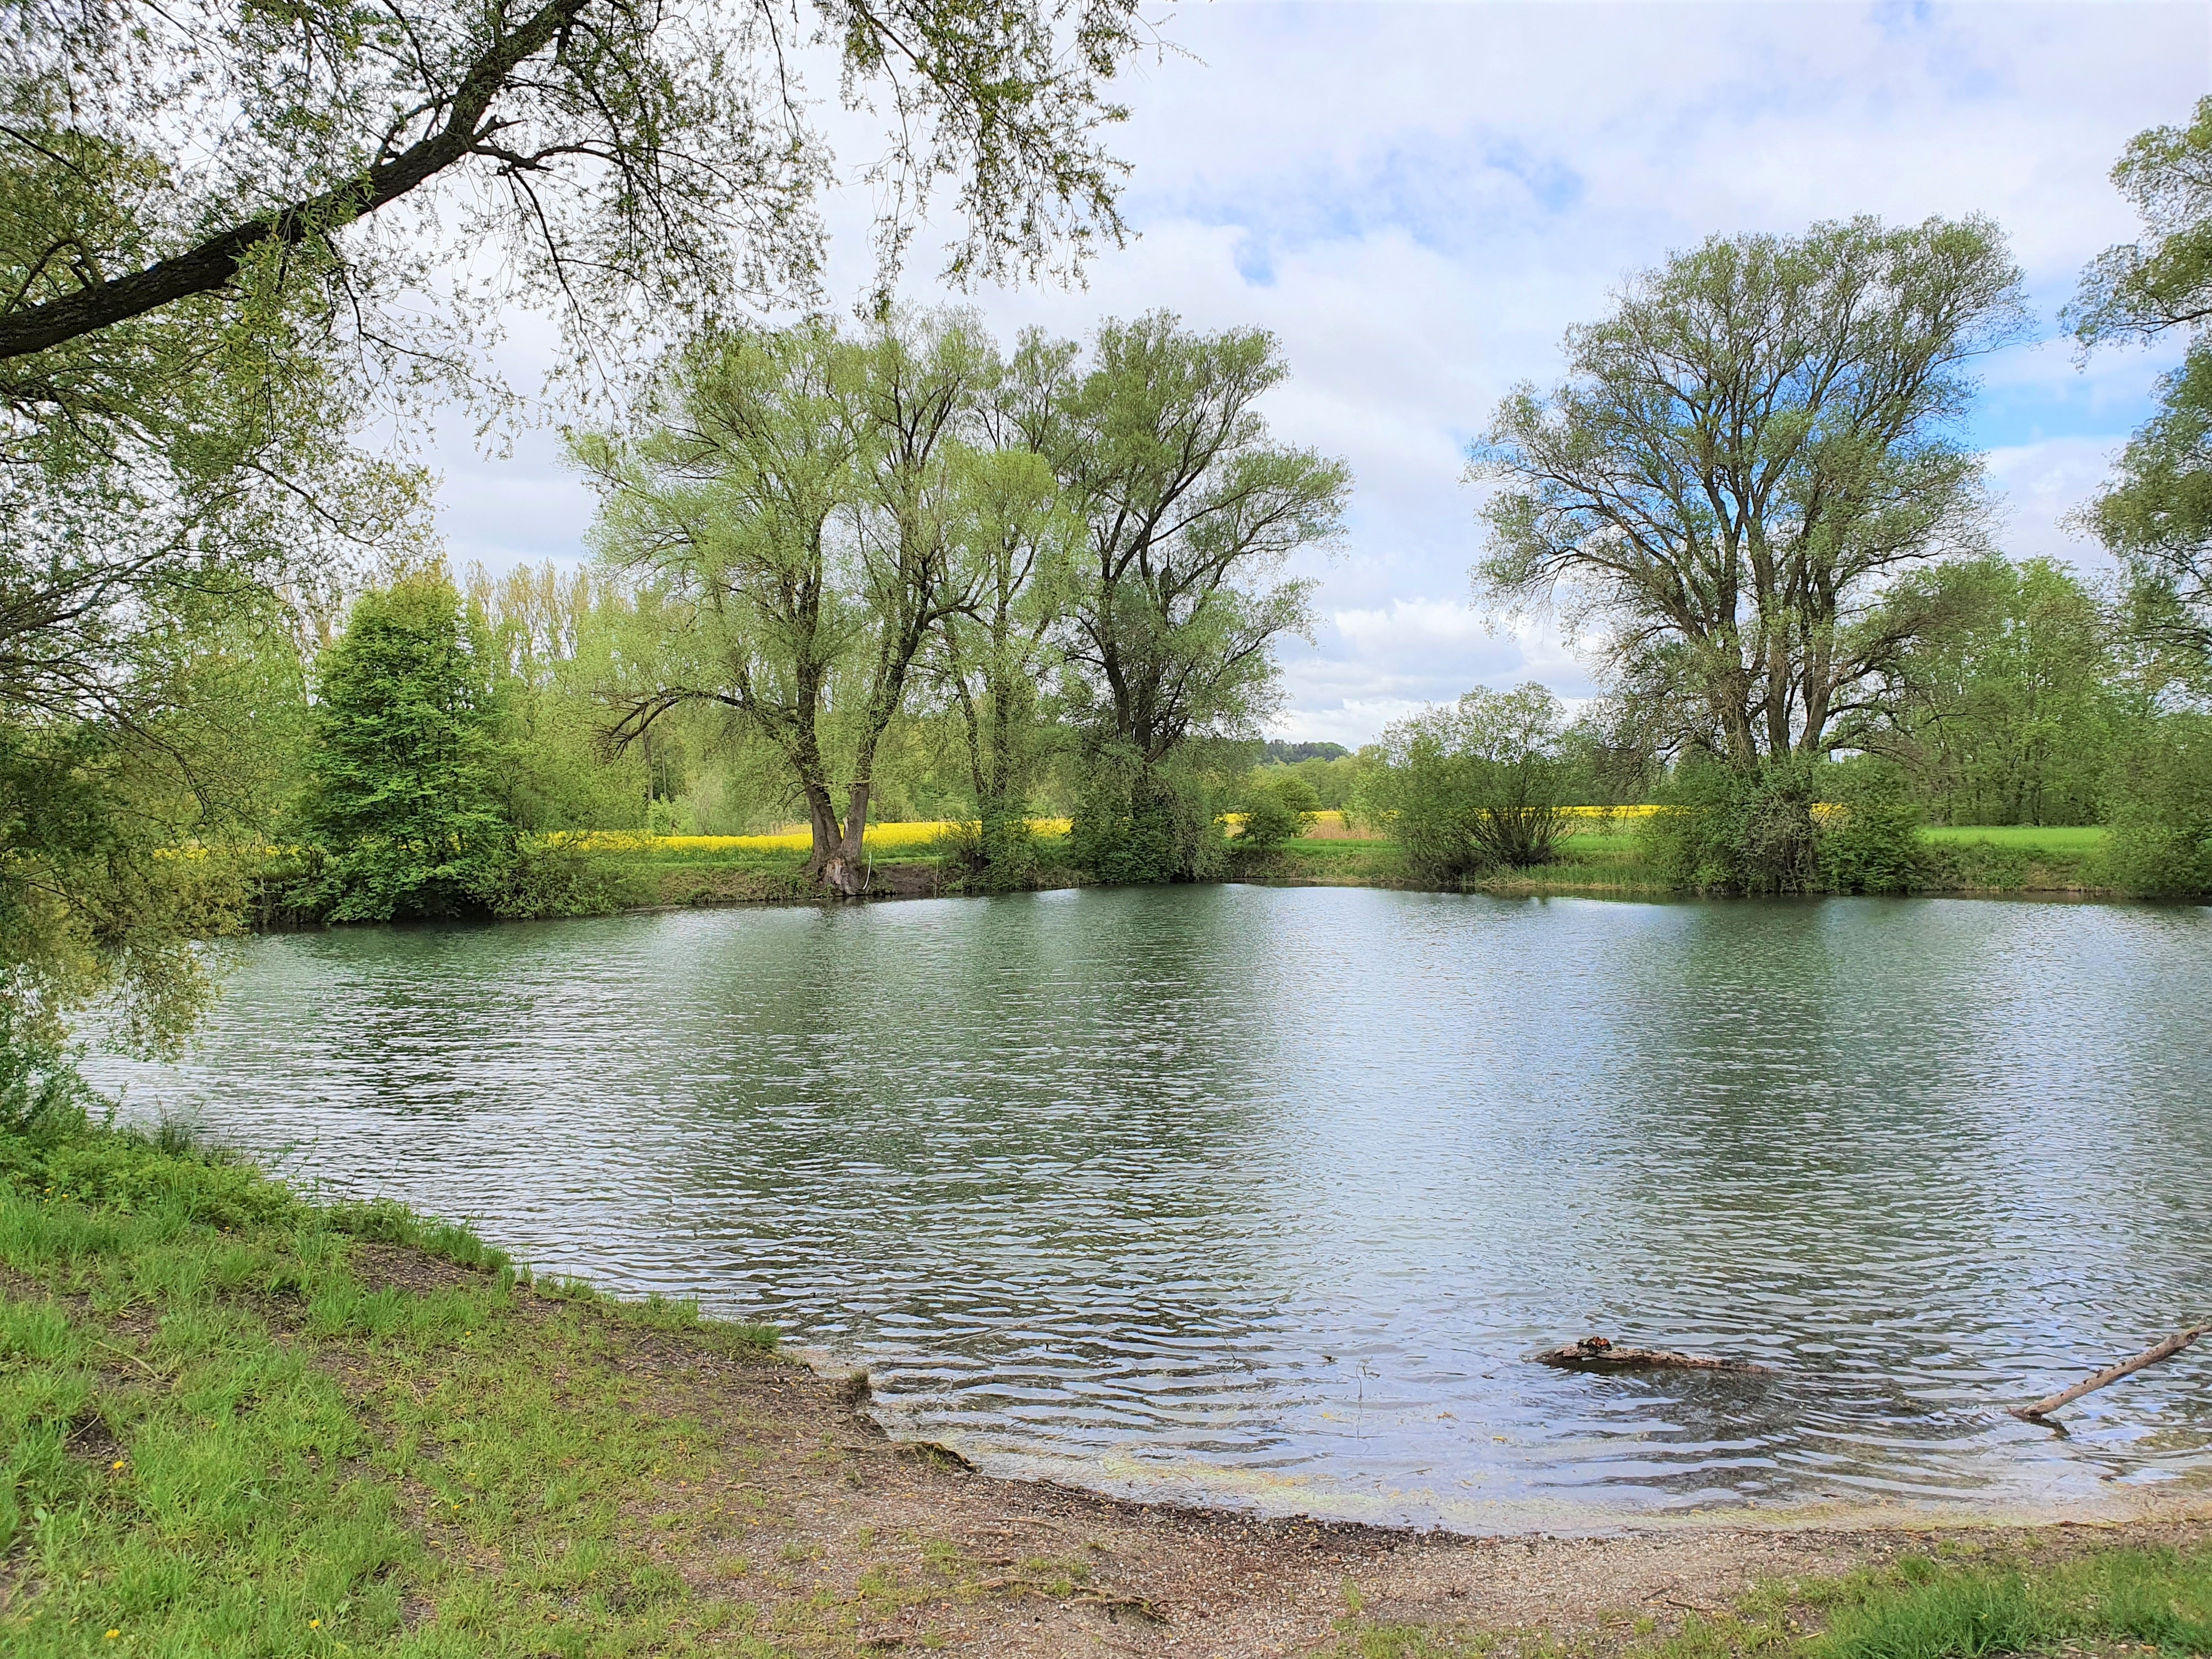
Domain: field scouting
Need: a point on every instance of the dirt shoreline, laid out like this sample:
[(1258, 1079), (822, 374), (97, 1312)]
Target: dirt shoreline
[(1047, 1568)]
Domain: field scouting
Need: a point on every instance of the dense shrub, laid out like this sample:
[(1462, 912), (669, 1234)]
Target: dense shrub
[(1725, 830), (994, 853), (1475, 785), (1279, 805), (1140, 823), (1869, 838), (38, 1087), (548, 878), (1794, 826), (2161, 811)]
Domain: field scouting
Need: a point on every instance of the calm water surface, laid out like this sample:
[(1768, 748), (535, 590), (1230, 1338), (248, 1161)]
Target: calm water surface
[(1264, 1196)]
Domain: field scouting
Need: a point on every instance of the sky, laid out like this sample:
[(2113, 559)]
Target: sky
[(1420, 199)]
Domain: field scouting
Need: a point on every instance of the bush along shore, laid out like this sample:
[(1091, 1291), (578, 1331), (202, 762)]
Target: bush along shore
[(1604, 855), (238, 1422)]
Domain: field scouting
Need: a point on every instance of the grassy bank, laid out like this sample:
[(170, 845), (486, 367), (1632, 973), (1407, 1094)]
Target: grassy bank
[(1611, 860), (238, 1424), (639, 872), (606, 872)]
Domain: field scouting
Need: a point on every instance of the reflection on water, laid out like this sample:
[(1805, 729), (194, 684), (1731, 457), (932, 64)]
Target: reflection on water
[(1266, 1195)]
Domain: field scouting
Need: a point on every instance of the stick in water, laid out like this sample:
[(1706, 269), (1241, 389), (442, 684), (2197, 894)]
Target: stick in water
[(2166, 1350)]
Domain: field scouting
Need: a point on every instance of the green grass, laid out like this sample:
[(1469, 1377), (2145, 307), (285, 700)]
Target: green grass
[(2069, 838), (1963, 1603), (222, 1438)]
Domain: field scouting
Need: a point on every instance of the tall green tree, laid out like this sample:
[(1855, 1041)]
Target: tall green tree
[(1751, 450), (791, 498), (2155, 513), (1191, 511), (407, 764), (557, 637), (994, 648)]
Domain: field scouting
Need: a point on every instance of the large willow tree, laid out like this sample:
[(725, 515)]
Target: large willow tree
[(1748, 453), (1179, 596), (791, 499)]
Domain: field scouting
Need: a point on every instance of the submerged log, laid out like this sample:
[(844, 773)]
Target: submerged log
[(1600, 1353), (2150, 1356)]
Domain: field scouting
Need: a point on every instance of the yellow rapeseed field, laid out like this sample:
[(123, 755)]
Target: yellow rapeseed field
[(886, 836), (880, 836)]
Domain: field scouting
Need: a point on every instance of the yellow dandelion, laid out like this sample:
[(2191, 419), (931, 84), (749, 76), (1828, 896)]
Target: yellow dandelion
[(112, 1634), (314, 1624), (117, 1464)]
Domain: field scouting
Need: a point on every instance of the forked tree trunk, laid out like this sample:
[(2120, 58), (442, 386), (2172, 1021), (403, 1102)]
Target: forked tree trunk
[(845, 873), (824, 835)]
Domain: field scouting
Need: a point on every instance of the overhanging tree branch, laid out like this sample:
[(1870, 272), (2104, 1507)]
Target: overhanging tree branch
[(215, 261)]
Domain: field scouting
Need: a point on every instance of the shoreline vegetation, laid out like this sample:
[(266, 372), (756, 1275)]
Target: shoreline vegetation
[(1603, 856), (241, 1423)]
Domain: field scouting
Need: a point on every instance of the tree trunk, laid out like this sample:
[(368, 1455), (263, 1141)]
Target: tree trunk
[(846, 871), (822, 821)]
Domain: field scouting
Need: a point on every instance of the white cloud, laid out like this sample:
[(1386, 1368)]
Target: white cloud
[(2044, 482)]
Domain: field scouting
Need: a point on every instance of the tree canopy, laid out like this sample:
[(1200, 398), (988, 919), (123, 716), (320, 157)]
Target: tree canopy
[(1751, 449), (404, 798), (2155, 513)]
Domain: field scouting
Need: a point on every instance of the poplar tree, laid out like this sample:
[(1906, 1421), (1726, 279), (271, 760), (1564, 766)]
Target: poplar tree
[(404, 805)]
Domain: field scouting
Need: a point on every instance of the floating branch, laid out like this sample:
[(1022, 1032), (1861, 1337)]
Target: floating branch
[(2166, 1350), (1600, 1353)]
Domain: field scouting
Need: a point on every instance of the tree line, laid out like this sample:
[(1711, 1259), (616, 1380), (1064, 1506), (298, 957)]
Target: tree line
[(1755, 505), (823, 553)]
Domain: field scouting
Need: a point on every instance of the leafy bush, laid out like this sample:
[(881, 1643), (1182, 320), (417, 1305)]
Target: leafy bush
[(1725, 830), (1794, 826), (994, 853), (546, 879), (1140, 823), (1869, 843), (38, 1087), (1475, 785), (1279, 805), (2161, 811)]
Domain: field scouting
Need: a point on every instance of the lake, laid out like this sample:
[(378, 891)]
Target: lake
[(1263, 1196)]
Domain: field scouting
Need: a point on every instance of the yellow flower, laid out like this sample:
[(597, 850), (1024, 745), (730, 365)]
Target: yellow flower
[(314, 1624), (112, 1634), (117, 1464)]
